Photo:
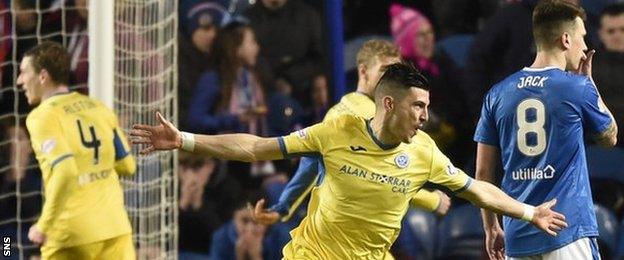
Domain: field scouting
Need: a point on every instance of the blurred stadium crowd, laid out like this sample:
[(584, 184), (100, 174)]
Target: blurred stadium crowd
[(261, 67)]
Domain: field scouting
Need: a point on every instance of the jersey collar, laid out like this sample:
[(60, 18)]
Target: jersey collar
[(377, 141), (539, 69), (362, 93)]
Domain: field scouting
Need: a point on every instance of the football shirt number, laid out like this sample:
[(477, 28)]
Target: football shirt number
[(94, 143), (525, 127)]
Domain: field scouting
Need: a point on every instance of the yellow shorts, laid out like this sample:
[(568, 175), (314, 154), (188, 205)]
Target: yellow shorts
[(290, 253), (120, 247)]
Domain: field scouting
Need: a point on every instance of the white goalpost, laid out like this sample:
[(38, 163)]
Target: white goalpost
[(102, 51)]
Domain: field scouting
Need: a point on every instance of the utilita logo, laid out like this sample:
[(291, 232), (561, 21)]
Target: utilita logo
[(533, 173)]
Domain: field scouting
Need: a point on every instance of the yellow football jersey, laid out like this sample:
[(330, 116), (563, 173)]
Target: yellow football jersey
[(81, 150), (354, 103), (359, 104), (356, 212)]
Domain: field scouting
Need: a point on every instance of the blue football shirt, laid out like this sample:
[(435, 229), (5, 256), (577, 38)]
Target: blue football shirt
[(536, 117)]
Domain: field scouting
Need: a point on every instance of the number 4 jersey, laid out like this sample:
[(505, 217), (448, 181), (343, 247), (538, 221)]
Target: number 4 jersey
[(536, 118), (81, 150)]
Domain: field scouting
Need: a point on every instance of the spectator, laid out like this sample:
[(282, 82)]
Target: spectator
[(229, 98), (320, 102), (25, 23), (242, 238), (296, 59), (206, 201), (200, 22), (78, 44), (609, 62), (415, 37)]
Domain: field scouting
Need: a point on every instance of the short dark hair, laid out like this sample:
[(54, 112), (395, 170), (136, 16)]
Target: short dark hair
[(52, 57), (612, 10), (399, 77), (550, 18)]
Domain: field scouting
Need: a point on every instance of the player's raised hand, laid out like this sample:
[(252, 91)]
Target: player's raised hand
[(585, 67), (264, 216), (495, 243), (548, 220), (159, 137)]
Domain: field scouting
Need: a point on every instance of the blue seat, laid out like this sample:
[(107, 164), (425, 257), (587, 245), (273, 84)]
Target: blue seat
[(457, 47), (461, 235), (417, 237), (608, 230)]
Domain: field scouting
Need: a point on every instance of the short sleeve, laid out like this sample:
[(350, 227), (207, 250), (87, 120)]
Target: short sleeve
[(594, 114), (486, 128), (444, 173), (307, 141)]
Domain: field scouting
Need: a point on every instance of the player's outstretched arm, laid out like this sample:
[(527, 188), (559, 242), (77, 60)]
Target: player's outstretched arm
[(238, 147), (488, 196), (487, 156), (432, 201), (298, 187)]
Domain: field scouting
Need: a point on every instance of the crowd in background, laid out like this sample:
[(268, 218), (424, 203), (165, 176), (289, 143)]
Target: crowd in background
[(262, 68), (463, 47)]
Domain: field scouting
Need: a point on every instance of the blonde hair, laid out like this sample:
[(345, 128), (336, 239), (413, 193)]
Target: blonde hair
[(373, 50)]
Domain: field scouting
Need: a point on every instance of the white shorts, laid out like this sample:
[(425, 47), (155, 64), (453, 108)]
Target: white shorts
[(583, 249)]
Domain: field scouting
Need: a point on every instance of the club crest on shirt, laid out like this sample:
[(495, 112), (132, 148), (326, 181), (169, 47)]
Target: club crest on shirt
[(451, 170), (401, 160), (48, 145), (303, 133)]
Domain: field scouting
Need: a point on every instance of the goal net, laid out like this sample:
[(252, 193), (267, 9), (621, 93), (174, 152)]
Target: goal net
[(145, 71), (145, 82)]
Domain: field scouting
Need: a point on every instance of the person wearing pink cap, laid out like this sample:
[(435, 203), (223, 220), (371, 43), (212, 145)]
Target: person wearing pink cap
[(414, 34)]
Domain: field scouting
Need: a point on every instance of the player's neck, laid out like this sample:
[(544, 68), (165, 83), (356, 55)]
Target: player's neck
[(381, 132), (51, 91), (361, 88), (549, 59)]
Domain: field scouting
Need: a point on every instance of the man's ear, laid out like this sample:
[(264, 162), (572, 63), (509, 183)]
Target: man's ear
[(43, 76), (388, 102), (566, 40), (362, 72)]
